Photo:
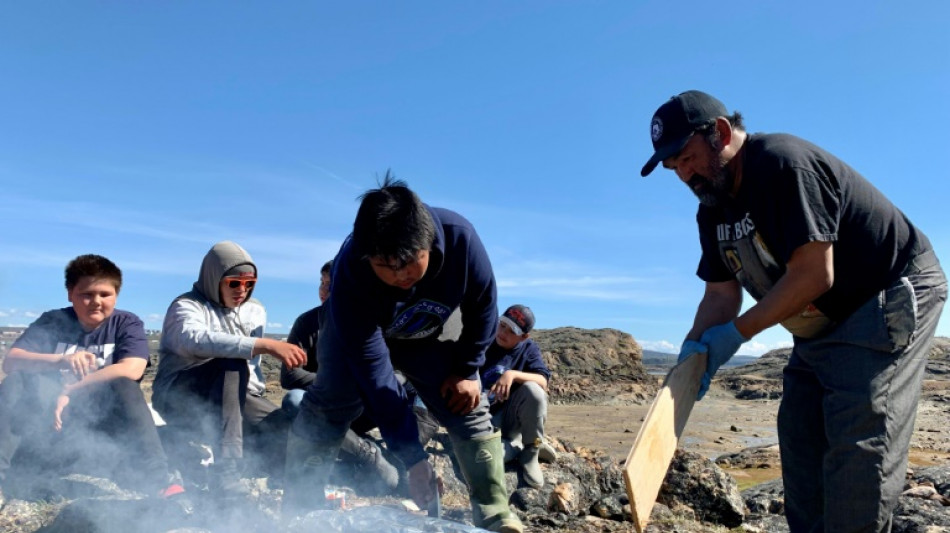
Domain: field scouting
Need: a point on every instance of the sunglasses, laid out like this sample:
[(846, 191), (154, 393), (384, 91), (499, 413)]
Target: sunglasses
[(234, 283)]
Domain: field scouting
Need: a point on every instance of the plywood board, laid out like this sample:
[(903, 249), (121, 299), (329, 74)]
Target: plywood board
[(656, 442)]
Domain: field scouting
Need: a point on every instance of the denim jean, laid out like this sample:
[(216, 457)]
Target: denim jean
[(848, 408)]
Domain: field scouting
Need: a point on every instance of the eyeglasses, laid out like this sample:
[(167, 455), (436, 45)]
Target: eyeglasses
[(234, 283)]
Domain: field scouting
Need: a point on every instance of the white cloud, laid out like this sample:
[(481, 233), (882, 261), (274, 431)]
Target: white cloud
[(31, 314), (4, 314), (758, 348), (275, 325), (659, 346)]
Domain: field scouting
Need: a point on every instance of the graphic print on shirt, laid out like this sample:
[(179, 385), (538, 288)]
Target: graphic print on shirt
[(103, 352), (742, 249), (417, 320)]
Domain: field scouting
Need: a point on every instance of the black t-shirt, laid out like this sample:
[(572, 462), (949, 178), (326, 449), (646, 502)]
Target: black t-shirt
[(793, 193)]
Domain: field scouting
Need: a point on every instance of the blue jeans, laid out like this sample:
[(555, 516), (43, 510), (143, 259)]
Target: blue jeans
[(291, 402), (848, 408)]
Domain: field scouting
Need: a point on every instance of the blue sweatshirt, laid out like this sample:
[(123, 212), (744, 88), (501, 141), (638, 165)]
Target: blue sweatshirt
[(371, 318), (524, 357)]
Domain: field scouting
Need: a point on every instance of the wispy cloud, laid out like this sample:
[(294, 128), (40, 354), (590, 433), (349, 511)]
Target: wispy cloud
[(336, 177), (659, 346)]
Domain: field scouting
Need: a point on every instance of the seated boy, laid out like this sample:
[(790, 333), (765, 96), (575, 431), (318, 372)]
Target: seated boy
[(209, 336), (76, 371), (398, 277), (516, 379)]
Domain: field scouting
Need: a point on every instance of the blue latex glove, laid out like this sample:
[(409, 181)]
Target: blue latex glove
[(723, 342), (689, 348)]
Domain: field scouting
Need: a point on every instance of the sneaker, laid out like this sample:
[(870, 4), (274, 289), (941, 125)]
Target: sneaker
[(175, 492), (547, 453)]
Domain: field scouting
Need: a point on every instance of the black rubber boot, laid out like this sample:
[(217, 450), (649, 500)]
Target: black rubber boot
[(226, 480), (370, 462)]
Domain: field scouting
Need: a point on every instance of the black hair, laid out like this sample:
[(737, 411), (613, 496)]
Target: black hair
[(708, 129), (327, 267), (393, 223), (92, 265)]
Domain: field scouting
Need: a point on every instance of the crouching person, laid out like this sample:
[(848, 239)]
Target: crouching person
[(405, 268), (209, 336), (73, 376), (516, 380)]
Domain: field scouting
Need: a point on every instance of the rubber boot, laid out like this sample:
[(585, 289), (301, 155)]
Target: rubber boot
[(306, 472), (481, 463), (530, 469), (370, 462), (426, 423)]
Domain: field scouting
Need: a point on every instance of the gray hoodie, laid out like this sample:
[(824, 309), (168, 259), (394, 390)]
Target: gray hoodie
[(198, 327)]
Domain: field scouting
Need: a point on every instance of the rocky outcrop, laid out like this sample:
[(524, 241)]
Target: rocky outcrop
[(595, 366)]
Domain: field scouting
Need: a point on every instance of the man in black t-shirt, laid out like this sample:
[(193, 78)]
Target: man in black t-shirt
[(826, 255)]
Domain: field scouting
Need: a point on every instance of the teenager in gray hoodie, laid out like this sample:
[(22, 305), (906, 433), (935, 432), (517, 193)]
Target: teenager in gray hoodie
[(211, 337)]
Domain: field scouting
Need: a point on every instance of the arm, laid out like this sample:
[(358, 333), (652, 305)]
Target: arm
[(187, 330), (289, 354), (303, 333), (502, 388), (20, 360), (809, 274), (721, 303), (128, 367)]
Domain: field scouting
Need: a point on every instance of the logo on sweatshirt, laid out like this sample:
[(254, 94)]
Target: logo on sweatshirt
[(418, 320)]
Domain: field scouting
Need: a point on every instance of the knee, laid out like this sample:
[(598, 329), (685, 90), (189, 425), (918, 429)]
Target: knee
[(291, 402), (535, 394)]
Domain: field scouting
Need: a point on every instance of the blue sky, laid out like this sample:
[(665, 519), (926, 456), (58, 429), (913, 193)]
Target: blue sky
[(147, 131)]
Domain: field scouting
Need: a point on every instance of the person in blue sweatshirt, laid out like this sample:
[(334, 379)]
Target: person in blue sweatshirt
[(516, 380), (396, 280)]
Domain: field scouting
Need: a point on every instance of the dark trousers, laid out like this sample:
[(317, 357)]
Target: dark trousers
[(107, 429), (206, 403), (848, 409)]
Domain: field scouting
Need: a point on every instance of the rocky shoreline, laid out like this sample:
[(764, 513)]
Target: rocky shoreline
[(593, 369)]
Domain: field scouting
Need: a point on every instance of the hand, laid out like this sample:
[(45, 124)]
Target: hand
[(723, 341), (423, 483), (81, 363), (61, 402), (689, 348), (502, 388), (290, 355), (462, 394)]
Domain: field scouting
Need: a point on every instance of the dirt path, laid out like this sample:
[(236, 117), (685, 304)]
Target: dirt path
[(709, 431)]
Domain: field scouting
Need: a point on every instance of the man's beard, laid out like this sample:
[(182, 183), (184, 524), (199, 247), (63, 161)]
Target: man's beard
[(713, 190)]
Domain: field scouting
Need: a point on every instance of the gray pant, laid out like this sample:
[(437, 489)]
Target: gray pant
[(848, 408), (522, 416)]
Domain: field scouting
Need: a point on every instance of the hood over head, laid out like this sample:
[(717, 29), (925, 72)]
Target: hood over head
[(222, 257)]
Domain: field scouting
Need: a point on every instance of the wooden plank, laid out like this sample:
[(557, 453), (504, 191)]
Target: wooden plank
[(650, 456)]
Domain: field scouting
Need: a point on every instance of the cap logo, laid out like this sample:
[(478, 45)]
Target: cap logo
[(656, 129)]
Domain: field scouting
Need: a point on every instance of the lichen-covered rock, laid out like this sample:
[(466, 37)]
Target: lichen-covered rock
[(699, 484)]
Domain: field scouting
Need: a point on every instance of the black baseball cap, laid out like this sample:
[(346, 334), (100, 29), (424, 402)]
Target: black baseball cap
[(676, 120), (520, 319)]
